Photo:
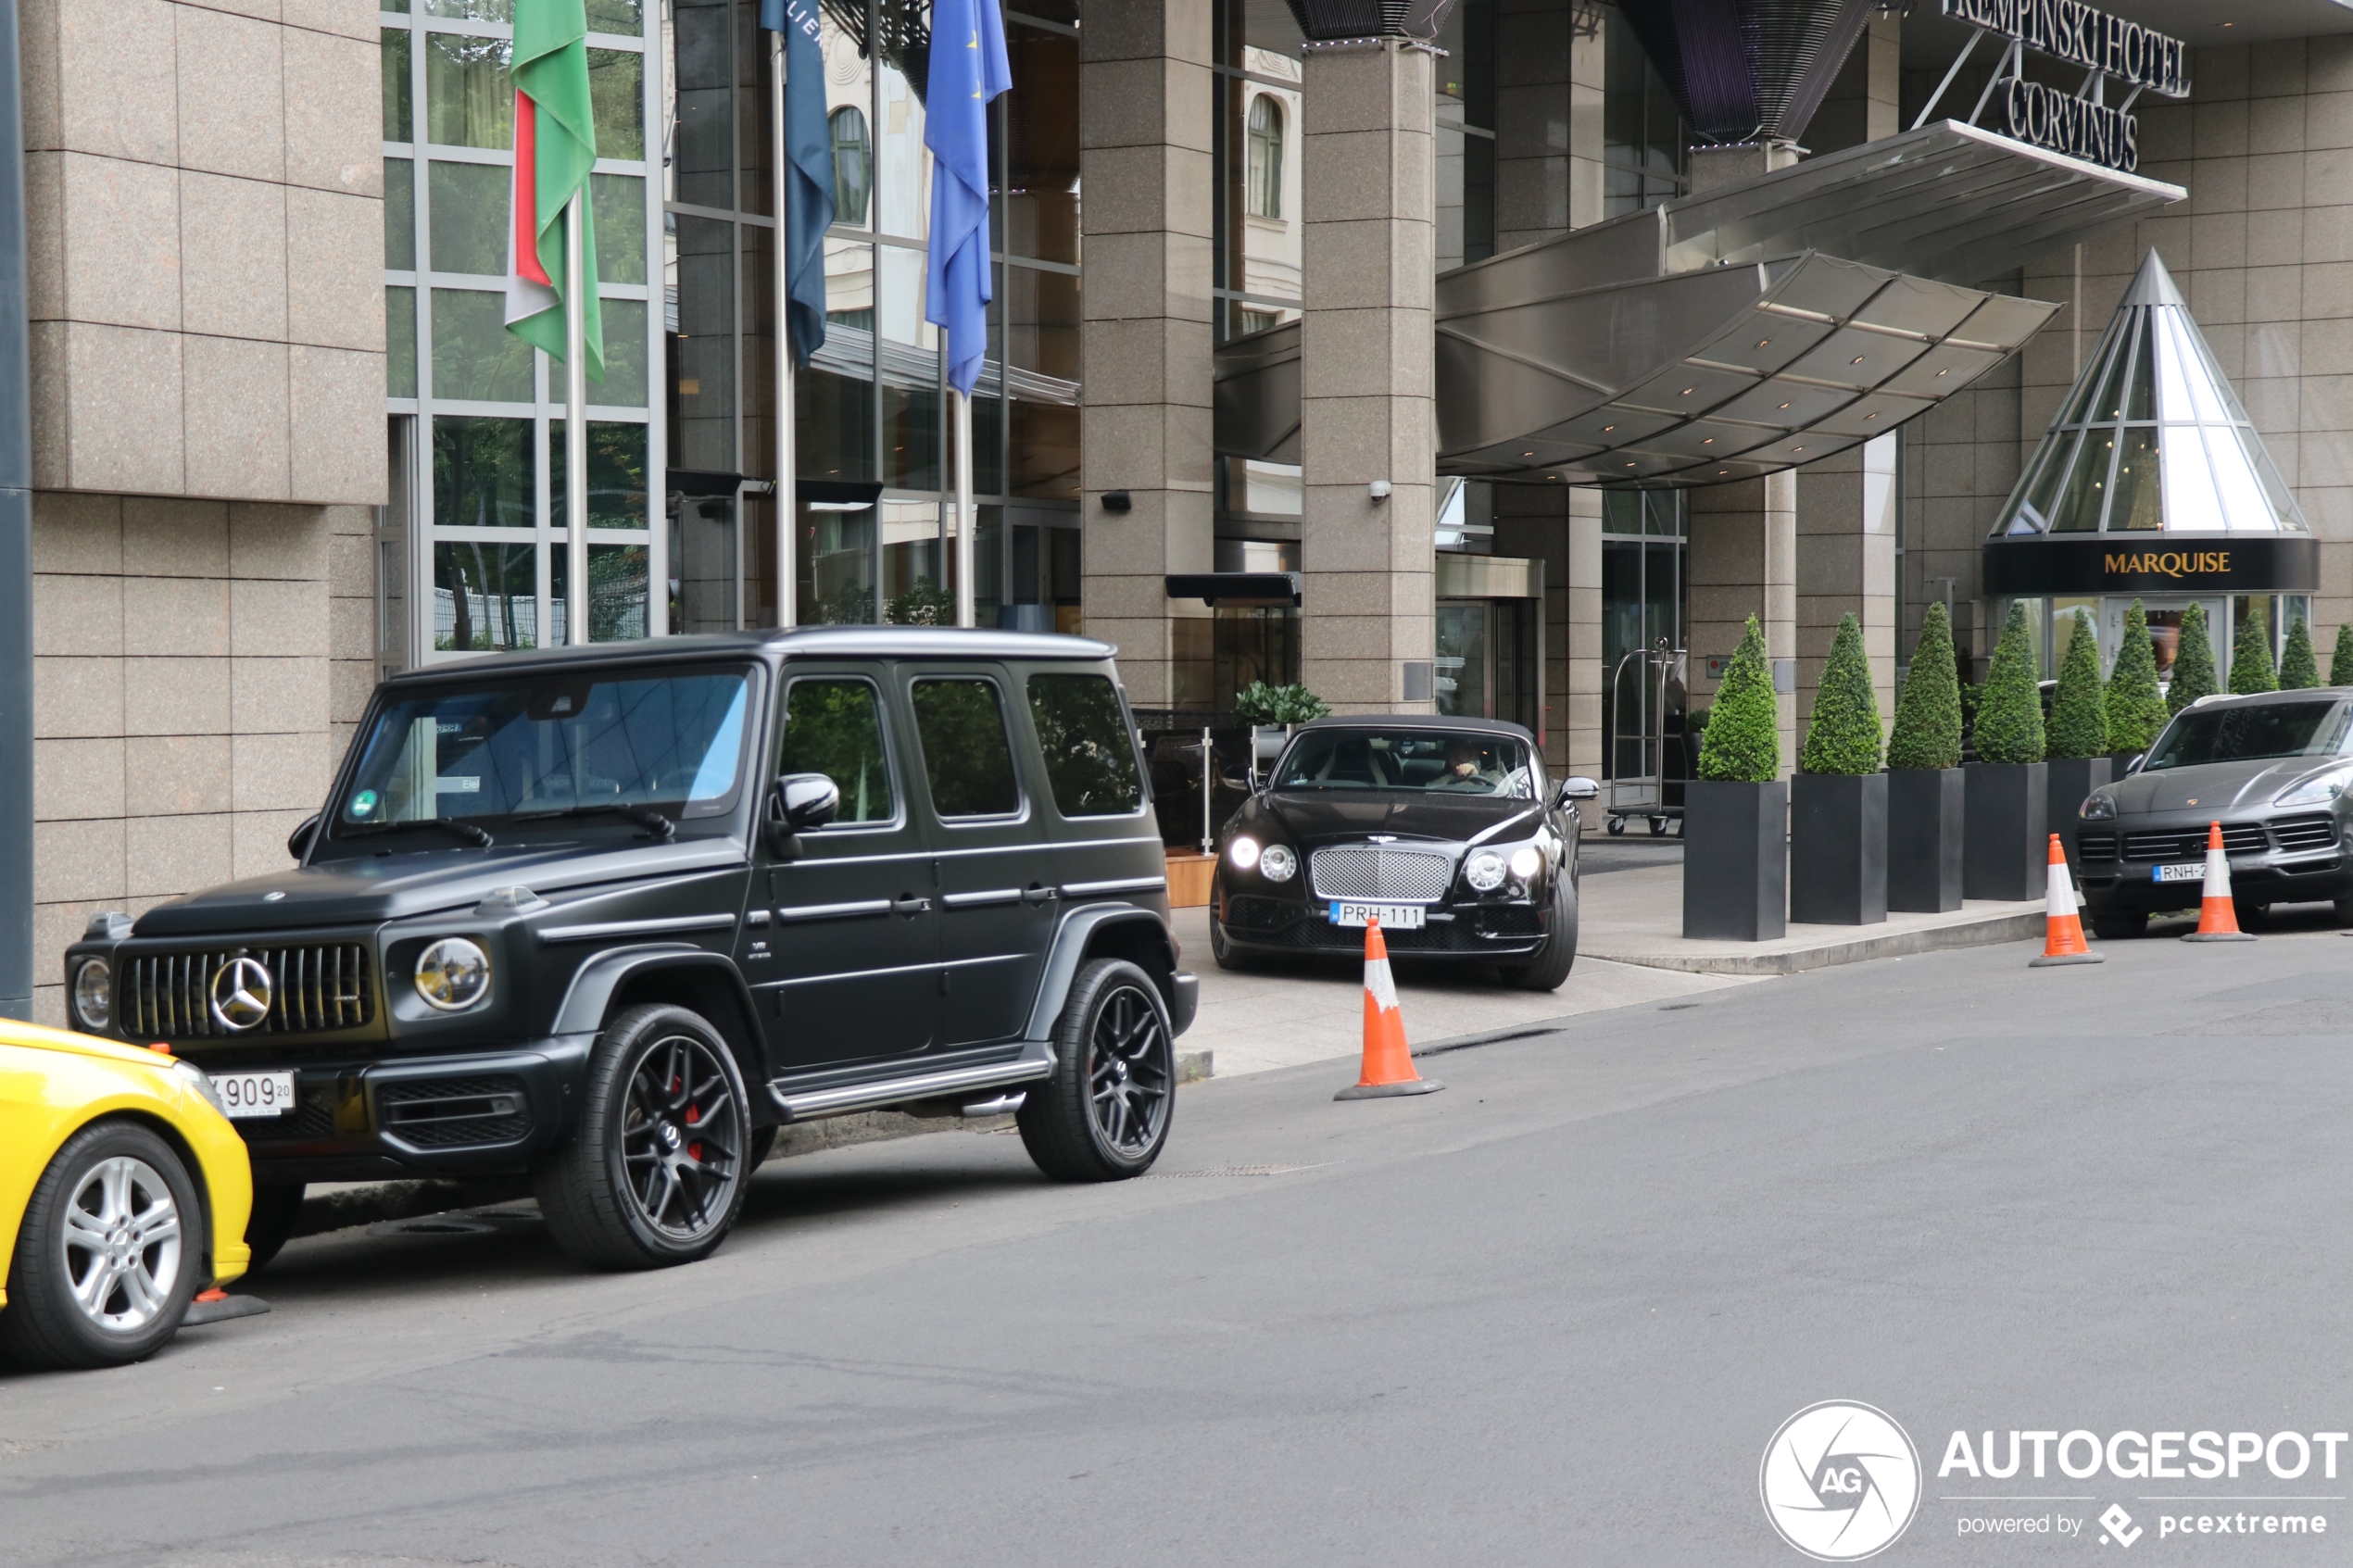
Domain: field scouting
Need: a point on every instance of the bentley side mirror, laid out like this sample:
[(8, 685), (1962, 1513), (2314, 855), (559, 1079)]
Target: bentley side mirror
[(798, 802), (1575, 789), (298, 841), (2134, 765)]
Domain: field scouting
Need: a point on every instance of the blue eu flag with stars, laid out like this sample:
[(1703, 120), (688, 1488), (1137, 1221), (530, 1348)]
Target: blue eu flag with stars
[(968, 68), (809, 161)]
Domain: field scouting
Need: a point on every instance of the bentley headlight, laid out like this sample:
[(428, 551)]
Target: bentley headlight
[(1243, 852), (1527, 861), (1277, 862), (2314, 791), (2099, 808), (92, 994), (192, 1075), (453, 975), (1485, 870)]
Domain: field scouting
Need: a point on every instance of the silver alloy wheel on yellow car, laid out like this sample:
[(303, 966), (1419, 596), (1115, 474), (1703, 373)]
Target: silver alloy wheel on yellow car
[(120, 1244), (109, 1252)]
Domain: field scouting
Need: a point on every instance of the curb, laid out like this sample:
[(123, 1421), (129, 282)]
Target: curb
[(1981, 933)]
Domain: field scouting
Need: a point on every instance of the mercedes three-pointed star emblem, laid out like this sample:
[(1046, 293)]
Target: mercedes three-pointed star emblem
[(241, 994)]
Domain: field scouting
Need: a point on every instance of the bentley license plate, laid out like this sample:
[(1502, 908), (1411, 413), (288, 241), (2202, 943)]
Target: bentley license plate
[(2195, 872), (255, 1094), (1395, 916)]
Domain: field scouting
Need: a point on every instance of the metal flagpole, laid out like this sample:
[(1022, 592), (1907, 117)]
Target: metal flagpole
[(575, 421), (963, 407), (787, 569)]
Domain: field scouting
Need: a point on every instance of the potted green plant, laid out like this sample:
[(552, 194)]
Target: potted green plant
[(2299, 671), (2251, 669), (1924, 779), (2341, 662), (1736, 812), (2136, 712), (2077, 760), (2007, 846), (2192, 663), (1838, 801)]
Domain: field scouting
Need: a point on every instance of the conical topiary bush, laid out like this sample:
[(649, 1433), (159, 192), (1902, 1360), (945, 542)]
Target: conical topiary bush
[(1928, 713), (1843, 736), (2192, 663), (2079, 709), (2136, 702), (2341, 662), (1743, 727), (2298, 670), (2251, 669), (2009, 716)]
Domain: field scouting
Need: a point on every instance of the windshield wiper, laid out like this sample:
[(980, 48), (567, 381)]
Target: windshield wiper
[(653, 821), (477, 836)]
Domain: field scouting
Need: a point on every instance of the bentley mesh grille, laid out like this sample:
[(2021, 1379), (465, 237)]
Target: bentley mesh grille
[(1377, 872), (169, 995)]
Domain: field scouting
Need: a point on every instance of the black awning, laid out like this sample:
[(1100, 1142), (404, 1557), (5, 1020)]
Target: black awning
[(1236, 587)]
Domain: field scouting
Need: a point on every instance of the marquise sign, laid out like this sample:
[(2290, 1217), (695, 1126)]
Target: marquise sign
[(2244, 563), (2077, 126)]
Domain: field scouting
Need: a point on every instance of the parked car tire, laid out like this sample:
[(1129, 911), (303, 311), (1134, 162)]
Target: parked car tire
[(275, 1209), (1104, 1114), (2251, 914), (2119, 925), (655, 1174), (2344, 908), (110, 1253), (1552, 965), (1227, 956)]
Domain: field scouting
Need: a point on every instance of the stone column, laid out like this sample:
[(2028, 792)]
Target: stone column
[(1145, 165), (1846, 566), (1562, 527), (1365, 407), (1742, 562)]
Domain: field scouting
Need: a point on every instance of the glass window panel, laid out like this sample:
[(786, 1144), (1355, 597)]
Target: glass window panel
[(911, 428), (617, 584), (2276, 491), (966, 756), (2079, 508), (399, 6), (617, 496), (1041, 145), (1090, 758), (2176, 404), (2244, 503), (400, 342), (853, 166), (617, 99), (837, 562), (471, 202), (2189, 483), (989, 425), (398, 124), (704, 564), (618, 203), (2139, 490), (2109, 404), (1478, 198), (1044, 450), (624, 383), (472, 10), (701, 163), (902, 190), (485, 596), (2046, 480), (835, 728), (756, 306), (475, 358), (835, 435), (702, 353), (470, 100), (2089, 387), (2141, 403), (400, 215), (624, 16), (482, 475)]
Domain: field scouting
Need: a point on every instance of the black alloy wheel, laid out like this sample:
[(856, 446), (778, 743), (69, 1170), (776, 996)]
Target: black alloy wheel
[(1104, 1114), (655, 1174)]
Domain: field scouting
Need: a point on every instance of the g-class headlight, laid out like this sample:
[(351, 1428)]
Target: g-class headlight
[(2314, 791), (1277, 862), (92, 994), (1485, 870), (453, 975), (1243, 852), (2098, 809)]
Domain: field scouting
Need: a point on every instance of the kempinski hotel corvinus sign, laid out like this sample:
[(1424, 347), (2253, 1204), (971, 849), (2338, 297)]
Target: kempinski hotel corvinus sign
[(2079, 126)]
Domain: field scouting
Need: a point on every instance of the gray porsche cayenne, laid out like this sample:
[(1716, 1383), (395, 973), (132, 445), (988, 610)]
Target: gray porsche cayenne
[(2274, 769)]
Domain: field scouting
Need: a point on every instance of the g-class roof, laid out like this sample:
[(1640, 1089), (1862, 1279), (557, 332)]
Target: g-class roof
[(803, 642)]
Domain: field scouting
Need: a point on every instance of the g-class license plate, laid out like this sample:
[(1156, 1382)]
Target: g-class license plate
[(1395, 916), (255, 1094), (2195, 872)]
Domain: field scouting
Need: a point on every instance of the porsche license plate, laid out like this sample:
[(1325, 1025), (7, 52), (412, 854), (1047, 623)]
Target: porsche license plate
[(255, 1094), (2194, 871), (1395, 917)]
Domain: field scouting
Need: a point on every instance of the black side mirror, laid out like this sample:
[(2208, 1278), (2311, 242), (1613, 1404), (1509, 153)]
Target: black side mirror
[(1574, 789), (797, 803), (298, 841)]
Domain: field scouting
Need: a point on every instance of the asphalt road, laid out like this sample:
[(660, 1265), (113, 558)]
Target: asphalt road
[(1552, 1316)]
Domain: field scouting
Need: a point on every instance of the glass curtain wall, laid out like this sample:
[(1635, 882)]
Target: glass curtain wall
[(1645, 157), (1466, 123), (488, 409), (1643, 540)]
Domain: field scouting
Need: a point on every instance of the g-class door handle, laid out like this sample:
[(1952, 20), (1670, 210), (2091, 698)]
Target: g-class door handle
[(909, 904), (1038, 894)]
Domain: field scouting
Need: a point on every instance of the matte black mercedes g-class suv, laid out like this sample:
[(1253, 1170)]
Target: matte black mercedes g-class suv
[(612, 915)]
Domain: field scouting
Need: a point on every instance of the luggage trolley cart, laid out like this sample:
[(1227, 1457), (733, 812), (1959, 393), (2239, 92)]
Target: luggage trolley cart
[(1648, 792)]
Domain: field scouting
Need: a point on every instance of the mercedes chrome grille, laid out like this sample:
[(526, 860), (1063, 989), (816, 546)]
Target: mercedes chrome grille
[(170, 996), (1382, 873)]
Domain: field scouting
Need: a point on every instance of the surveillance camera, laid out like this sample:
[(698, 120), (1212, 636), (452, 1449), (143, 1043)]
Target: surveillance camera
[(1379, 489)]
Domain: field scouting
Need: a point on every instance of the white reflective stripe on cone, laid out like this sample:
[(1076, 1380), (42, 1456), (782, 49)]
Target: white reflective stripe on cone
[(1382, 989), (2061, 896), (2218, 874)]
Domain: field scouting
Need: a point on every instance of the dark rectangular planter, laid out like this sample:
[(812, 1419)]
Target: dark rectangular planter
[(2072, 778), (1925, 814), (2008, 852), (1838, 849), (1735, 861)]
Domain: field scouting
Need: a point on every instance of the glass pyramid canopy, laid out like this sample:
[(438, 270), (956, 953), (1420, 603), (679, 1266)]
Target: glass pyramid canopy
[(2151, 438)]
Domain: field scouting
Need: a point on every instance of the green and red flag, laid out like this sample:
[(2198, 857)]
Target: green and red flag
[(555, 147)]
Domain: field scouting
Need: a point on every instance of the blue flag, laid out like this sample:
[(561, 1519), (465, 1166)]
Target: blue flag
[(809, 155), (968, 68)]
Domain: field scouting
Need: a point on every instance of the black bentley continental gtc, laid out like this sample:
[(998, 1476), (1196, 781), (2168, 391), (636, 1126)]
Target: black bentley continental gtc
[(1446, 831)]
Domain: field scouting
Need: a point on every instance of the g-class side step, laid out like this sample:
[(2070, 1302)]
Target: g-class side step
[(1036, 1063)]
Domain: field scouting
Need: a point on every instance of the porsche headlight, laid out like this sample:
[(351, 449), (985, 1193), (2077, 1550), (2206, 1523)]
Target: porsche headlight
[(1277, 862), (2314, 791), (1527, 861), (1485, 870), (453, 975), (192, 1075), (92, 994), (2098, 807), (1243, 852)]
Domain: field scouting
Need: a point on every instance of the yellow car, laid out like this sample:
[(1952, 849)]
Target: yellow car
[(124, 1192)]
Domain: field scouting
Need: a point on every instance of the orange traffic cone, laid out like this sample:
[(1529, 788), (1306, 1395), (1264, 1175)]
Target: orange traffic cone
[(2063, 928), (1389, 1061), (2218, 917)]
